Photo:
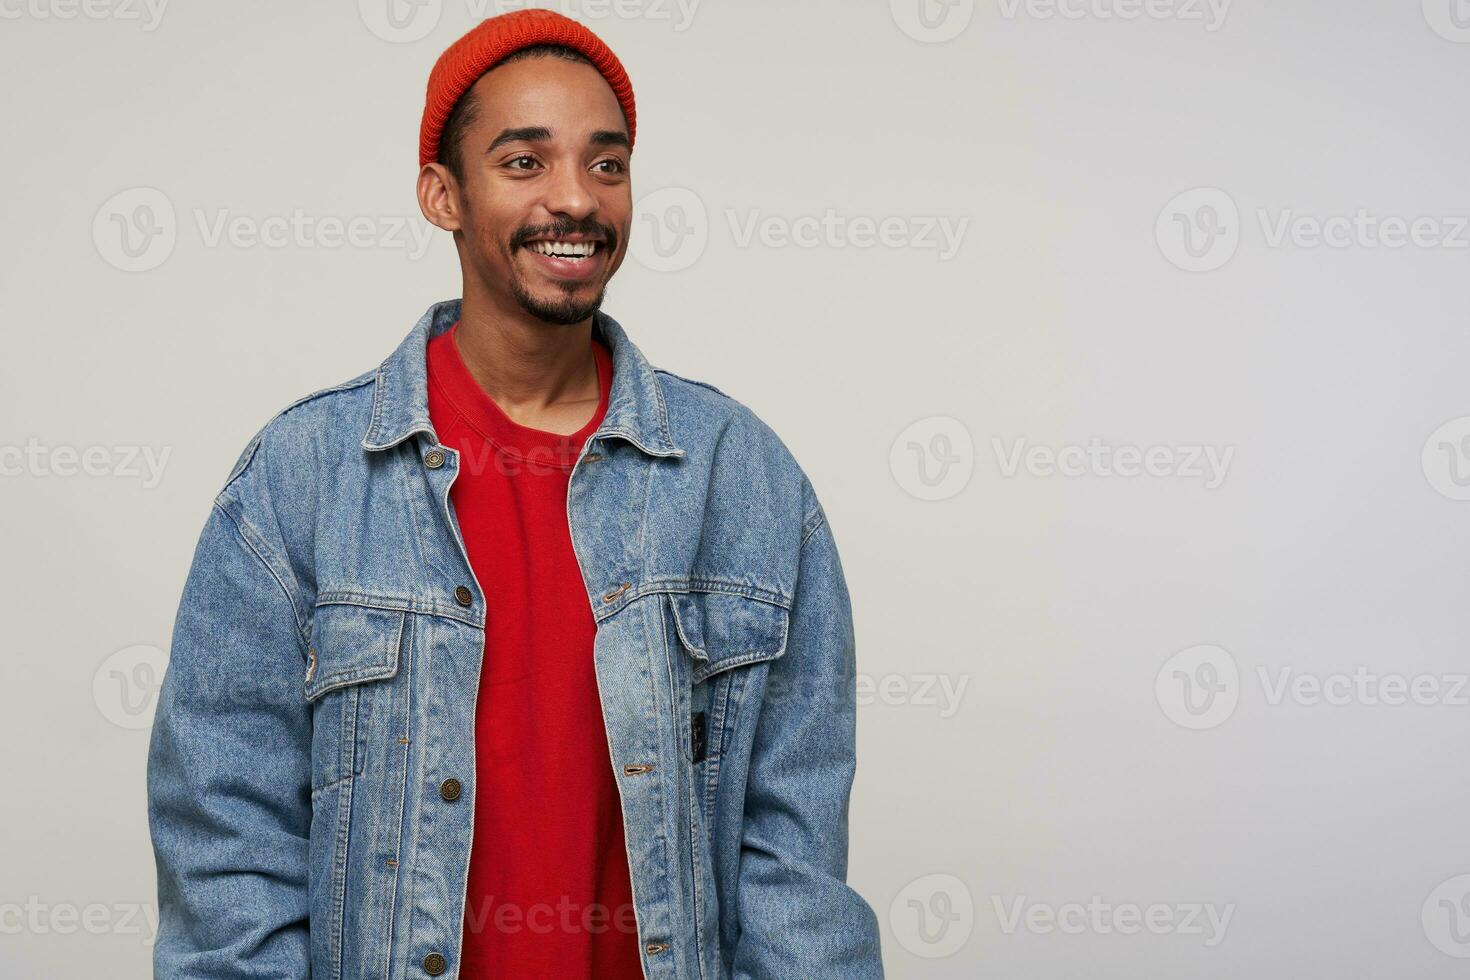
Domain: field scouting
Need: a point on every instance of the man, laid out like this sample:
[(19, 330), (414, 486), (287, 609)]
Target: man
[(514, 587)]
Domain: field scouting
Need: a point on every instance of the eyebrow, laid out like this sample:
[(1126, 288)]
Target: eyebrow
[(534, 134)]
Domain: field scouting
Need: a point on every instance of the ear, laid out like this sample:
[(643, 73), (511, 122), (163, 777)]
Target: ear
[(440, 197)]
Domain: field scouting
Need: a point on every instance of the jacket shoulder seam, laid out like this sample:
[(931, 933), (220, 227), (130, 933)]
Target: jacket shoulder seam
[(248, 453), (693, 381), (811, 524), (254, 543)]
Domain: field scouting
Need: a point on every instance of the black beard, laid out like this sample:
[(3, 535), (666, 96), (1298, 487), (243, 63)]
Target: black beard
[(565, 311)]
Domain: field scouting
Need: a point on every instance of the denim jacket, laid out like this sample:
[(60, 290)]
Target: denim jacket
[(325, 661)]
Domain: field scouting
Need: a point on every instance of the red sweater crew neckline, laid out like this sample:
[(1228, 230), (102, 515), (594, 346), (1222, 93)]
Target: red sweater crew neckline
[(448, 371)]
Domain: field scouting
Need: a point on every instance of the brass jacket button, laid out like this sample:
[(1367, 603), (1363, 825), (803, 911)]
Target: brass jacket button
[(463, 595), (450, 789), (434, 964), (434, 458)]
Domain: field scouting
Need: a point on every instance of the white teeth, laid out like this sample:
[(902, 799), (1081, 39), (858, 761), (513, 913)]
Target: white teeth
[(565, 250)]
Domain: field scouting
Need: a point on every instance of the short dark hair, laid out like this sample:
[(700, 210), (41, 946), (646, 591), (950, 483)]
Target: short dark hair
[(467, 109)]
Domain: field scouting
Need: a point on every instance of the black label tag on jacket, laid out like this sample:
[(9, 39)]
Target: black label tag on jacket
[(696, 736)]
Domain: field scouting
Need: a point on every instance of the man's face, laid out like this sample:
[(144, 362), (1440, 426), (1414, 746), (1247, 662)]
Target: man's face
[(546, 203)]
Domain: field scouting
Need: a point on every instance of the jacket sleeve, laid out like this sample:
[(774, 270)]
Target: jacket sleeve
[(229, 772), (798, 917)]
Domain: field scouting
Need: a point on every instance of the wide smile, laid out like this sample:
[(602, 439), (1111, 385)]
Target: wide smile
[(567, 260)]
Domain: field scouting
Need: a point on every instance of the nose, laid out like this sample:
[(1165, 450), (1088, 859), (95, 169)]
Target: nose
[(568, 192)]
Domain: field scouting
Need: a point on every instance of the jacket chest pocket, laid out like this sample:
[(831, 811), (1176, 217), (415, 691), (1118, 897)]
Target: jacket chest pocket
[(716, 641), (720, 633), (355, 651)]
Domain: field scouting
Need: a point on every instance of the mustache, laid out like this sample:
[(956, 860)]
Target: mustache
[(527, 233)]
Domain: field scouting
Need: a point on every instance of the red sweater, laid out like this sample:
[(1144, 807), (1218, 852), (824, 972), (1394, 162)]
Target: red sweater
[(548, 892)]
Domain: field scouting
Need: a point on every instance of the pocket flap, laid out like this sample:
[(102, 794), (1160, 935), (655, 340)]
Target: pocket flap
[(350, 644), (725, 630)]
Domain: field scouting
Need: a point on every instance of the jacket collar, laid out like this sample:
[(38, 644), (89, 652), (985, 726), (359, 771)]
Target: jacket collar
[(635, 406)]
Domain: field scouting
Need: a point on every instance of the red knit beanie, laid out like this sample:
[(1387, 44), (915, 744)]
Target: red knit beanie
[(464, 61)]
